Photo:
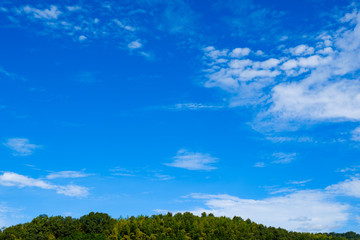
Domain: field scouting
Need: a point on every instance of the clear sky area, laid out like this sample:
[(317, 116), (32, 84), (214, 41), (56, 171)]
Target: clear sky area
[(234, 107)]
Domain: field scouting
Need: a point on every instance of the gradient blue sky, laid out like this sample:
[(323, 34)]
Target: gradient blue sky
[(247, 108)]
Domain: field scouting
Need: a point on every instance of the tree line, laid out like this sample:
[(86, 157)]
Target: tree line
[(181, 226)]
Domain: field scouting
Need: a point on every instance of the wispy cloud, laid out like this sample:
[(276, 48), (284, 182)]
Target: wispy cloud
[(350, 169), (11, 179), (10, 216), (193, 161), (280, 139), (190, 106), (163, 177), (299, 183), (11, 76), (259, 164), (283, 158), (21, 146), (67, 174), (118, 171), (195, 106)]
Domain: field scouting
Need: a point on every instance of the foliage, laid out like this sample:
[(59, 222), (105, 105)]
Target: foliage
[(100, 226)]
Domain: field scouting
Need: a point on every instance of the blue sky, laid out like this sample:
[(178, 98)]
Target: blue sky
[(247, 108)]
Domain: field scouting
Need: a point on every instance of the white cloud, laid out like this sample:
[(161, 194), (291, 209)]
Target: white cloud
[(239, 52), (72, 190), (283, 158), (326, 51), (301, 50), (270, 63), (67, 174), (326, 94), (82, 38), (193, 161), (135, 44), (308, 83), (21, 146), (350, 187), (308, 210), (11, 179), (211, 52), (318, 101), (48, 14), (290, 64)]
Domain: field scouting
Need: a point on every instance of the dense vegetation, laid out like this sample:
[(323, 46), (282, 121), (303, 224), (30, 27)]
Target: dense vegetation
[(100, 226)]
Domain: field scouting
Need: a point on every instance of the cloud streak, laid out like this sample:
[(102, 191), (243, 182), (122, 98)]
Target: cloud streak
[(11, 179), (193, 161), (67, 174)]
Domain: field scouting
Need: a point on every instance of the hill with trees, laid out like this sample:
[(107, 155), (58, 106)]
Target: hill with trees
[(100, 226)]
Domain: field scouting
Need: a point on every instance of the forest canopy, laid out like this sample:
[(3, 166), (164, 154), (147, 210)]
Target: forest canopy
[(100, 226)]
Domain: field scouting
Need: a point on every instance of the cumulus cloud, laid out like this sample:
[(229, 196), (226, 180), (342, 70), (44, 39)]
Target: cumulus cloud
[(307, 210), (193, 161), (240, 52), (21, 146), (308, 83), (11, 179), (301, 50)]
